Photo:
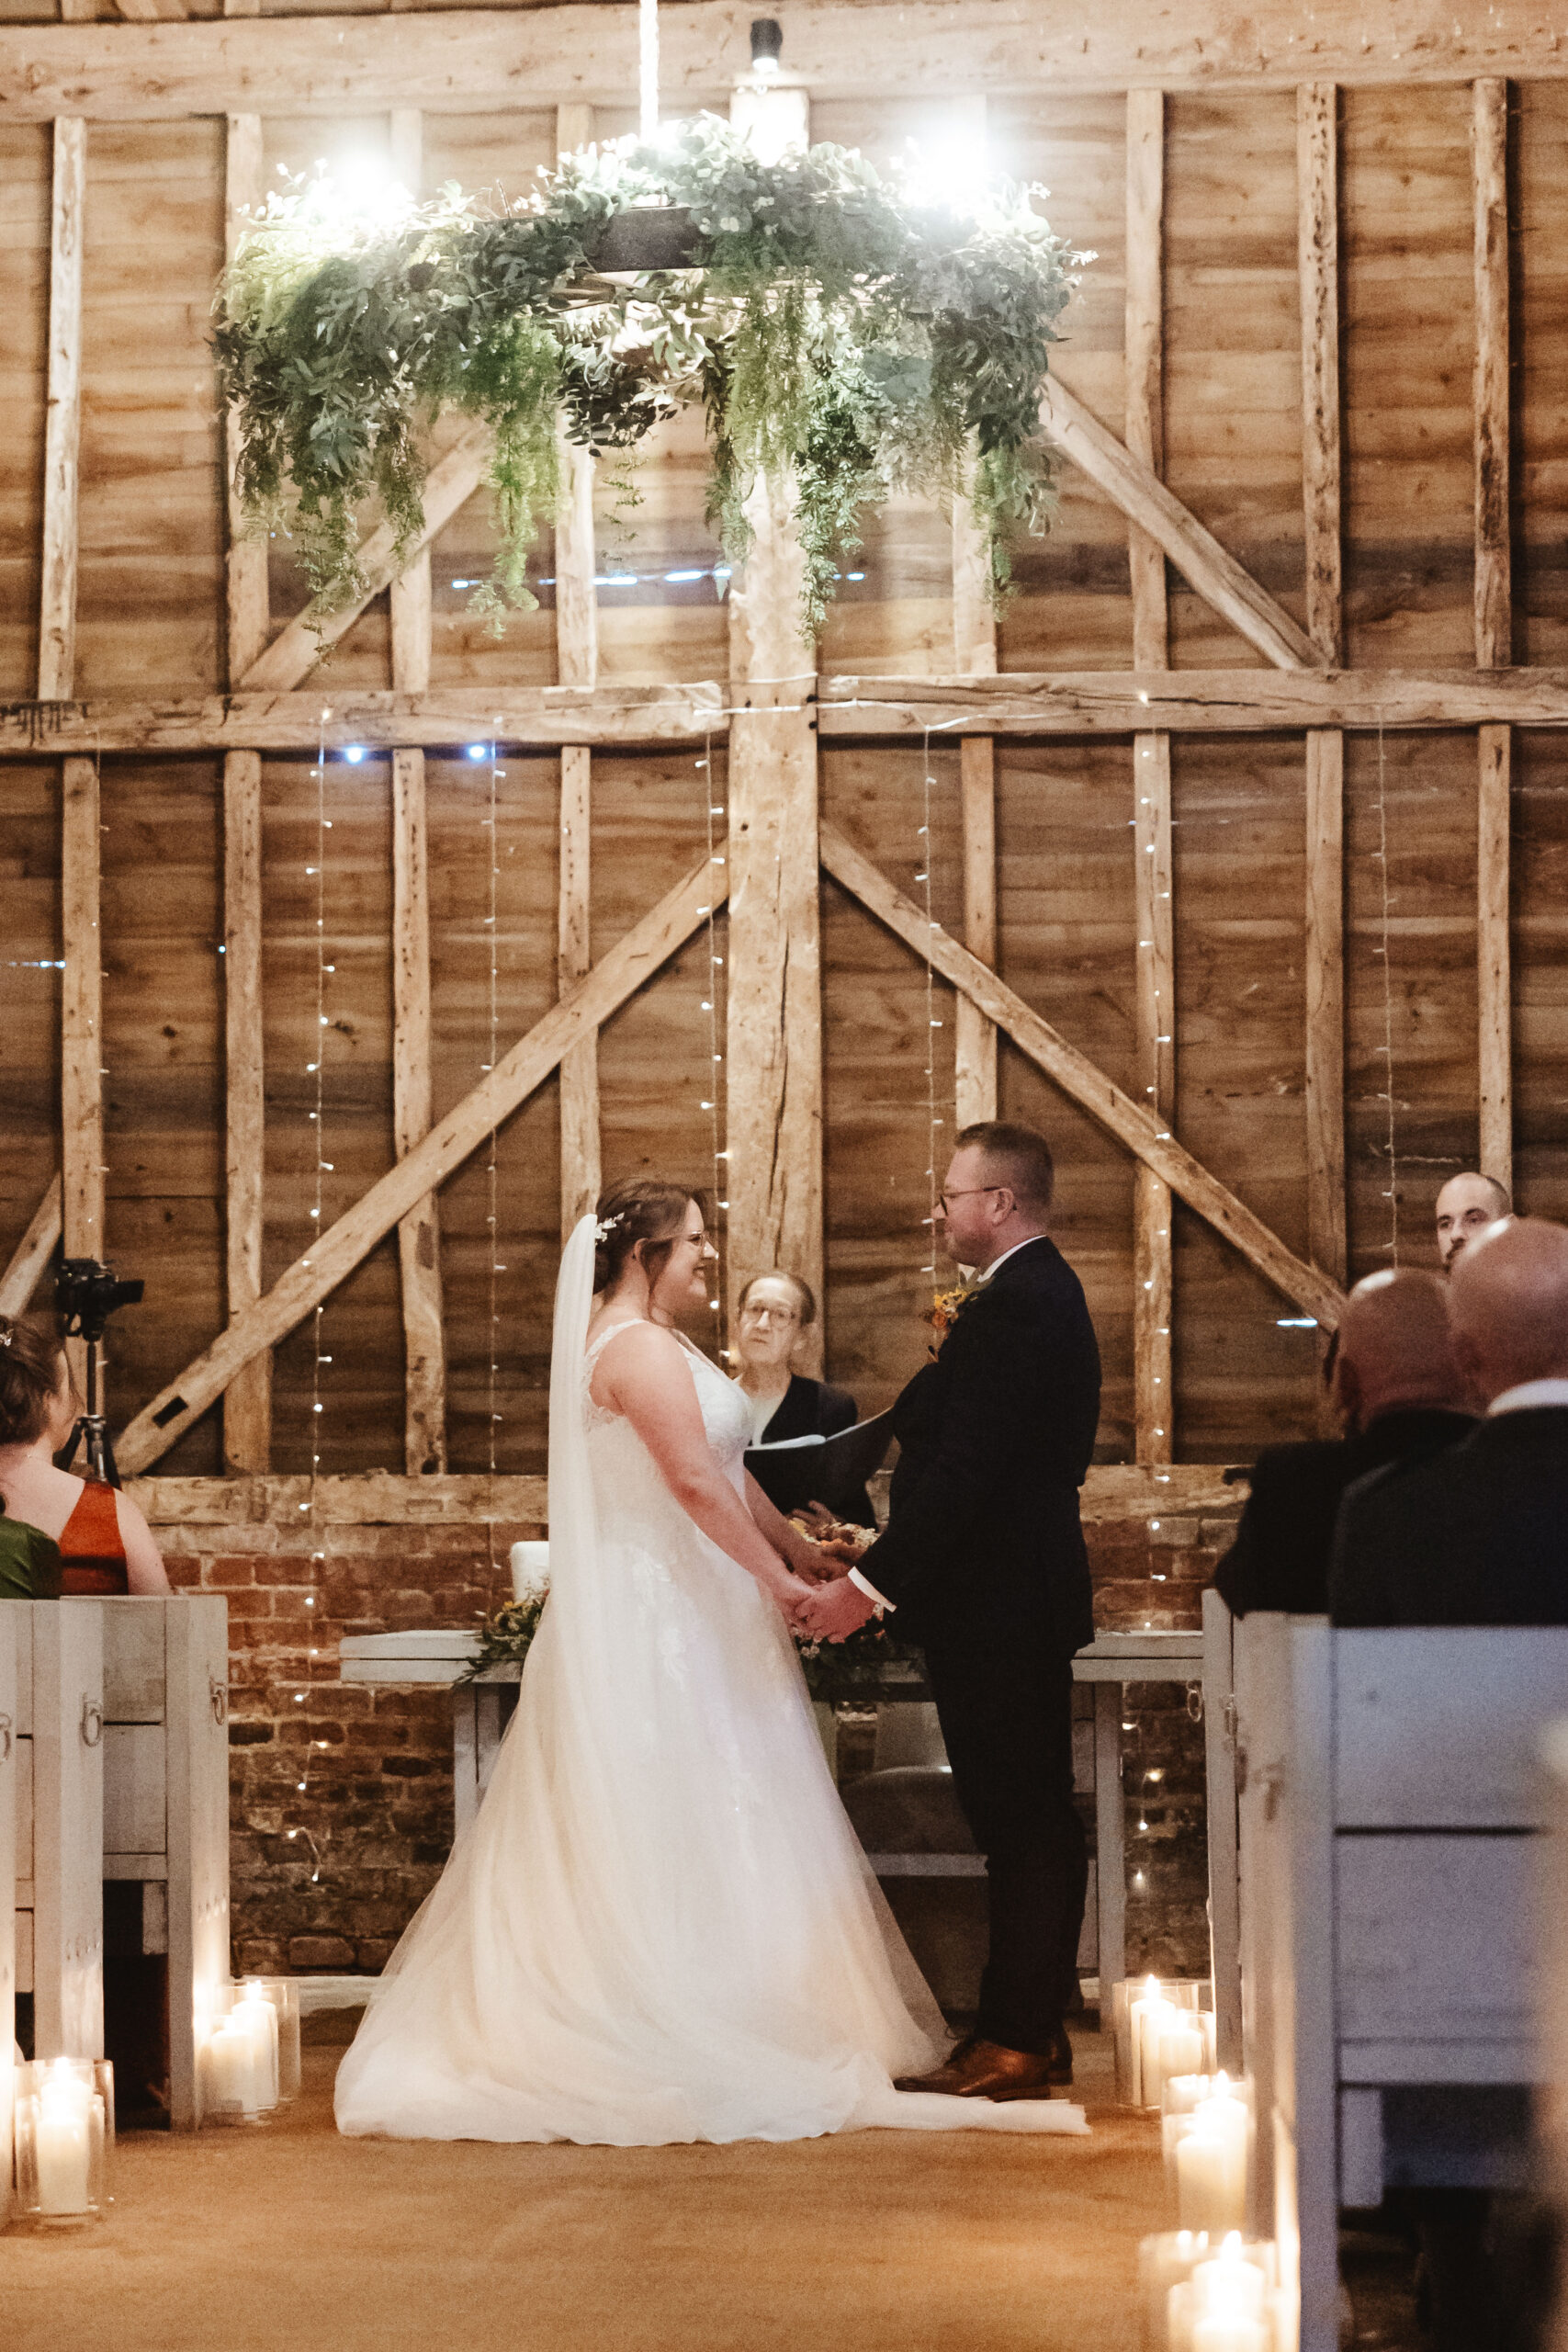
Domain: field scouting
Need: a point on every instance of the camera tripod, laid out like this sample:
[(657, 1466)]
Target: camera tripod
[(88, 1295)]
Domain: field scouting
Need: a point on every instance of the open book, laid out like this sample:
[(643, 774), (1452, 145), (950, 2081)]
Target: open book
[(830, 1470)]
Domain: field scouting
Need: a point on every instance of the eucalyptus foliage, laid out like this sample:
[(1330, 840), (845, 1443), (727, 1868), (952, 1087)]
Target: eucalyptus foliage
[(838, 331)]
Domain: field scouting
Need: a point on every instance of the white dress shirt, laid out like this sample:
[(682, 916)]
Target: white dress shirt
[(1528, 1395), (862, 1583)]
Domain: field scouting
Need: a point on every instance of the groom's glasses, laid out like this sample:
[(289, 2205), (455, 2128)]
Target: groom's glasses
[(943, 1198)]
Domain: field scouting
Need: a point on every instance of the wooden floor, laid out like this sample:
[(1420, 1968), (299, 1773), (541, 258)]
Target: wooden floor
[(882, 2242)]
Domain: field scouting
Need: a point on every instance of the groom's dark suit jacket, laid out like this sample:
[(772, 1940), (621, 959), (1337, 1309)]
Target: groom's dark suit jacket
[(995, 1437)]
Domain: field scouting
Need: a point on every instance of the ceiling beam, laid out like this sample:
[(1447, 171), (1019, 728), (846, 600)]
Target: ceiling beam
[(1220, 702), (1143, 1132), (461, 61)]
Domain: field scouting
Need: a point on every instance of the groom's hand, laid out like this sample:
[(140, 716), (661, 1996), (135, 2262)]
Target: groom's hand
[(836, 1611)]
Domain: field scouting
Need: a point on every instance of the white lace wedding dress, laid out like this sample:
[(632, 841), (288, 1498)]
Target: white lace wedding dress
[(660, 1926)]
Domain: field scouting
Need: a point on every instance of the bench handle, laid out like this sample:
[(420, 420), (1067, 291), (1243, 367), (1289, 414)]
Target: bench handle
[(219, 1693), (92, 1720)]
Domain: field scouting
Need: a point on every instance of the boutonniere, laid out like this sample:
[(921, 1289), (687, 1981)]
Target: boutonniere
[(945, 1309)]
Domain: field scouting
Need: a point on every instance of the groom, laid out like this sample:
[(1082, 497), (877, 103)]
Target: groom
[(984, 1560)]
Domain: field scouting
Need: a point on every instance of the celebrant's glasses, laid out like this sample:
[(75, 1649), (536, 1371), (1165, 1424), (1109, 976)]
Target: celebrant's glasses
[(964, 1194)]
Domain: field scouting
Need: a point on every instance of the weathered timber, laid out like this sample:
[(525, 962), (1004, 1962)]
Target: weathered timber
[(1493, 593), (334, 1254), (366, 1499), (773, 1041), (1129, 702), (1318, 246), (57, 599), (525, 717), (1141, 1131), (81, 1013), (32, 1252), (1130, 484), (1493, 956), (419, 1230), (1325, 1101), (1144, 342), (247, 1402), (295, 651), (244, 191), (975, 1037), (580, 1157), (474, 62)]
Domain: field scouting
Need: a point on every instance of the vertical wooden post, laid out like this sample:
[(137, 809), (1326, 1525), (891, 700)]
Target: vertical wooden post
[(1317, 258), (418, 1233), (1493, 623), (1153, 1402), (249, 610), (68, 1827), (577, 665), (247, 1400), (62, 430), (1494, 957), (410, 593), (81, 1079), (773, 1046)]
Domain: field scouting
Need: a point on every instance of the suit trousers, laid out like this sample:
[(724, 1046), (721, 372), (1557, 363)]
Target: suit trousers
[(1005, 1706)]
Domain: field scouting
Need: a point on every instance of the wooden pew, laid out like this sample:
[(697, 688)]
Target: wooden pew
[(122, 1774), (1389, 1801)]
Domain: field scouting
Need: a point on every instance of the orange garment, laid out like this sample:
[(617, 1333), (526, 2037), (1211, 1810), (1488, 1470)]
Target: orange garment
[(91, 1547)]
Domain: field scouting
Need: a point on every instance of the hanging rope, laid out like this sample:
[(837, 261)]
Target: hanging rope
[(648, 67)]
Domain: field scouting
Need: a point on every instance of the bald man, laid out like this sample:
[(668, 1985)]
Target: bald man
[(1479, 1536), (1399, 1392), (1466, 1206)]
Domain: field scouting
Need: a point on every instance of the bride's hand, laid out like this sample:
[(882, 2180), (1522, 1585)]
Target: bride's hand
[(794, 1596)]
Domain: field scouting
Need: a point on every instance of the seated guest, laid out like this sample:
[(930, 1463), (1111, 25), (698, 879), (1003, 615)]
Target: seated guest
[(104, 1544), (1398, 1388), (1479, 1535), (1466, 1206), (30, 1563), (774, 1310)]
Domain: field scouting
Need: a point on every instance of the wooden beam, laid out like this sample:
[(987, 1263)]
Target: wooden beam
[(295, 651), (1139, 1129), (151, 12), (1143, 340), (333, 1256), (1494, 957), (580, 1174), (32, 1252), (1155, 1000), (1317, 251), (62, 429), (1216, 702), (975, 1037), (1131, 485), (457, 61), (1154, 1043), (419, 1229), (81, 998), (249, 607), (1317, 262), (525, 717), (774, 1043), (1324, 1104), (410, 595), (1493, 619), (247, 1402)]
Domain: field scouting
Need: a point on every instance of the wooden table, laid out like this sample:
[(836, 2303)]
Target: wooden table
[(480, 1713)]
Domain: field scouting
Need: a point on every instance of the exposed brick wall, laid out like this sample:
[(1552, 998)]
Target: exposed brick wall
[(373, 1824)]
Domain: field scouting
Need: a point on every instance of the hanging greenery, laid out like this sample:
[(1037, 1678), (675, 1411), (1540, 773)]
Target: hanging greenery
[(837, 330)]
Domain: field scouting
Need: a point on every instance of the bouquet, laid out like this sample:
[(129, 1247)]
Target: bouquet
[(506, 1638)]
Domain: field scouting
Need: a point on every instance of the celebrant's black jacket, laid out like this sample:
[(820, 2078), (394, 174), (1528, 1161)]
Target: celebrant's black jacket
[(994, 1438)]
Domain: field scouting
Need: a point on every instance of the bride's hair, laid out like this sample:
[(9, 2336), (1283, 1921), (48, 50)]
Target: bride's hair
[(647, 1209)]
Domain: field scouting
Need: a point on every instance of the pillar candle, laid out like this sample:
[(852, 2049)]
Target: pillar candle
[(258, 2020), (1211, 2168), (1182, 2050), (1231, 2334), (64, 2141), (1149, 2004)]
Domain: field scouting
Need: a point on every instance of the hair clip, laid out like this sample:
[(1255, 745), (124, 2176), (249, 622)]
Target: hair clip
[(607, 1226), (7, 1335)]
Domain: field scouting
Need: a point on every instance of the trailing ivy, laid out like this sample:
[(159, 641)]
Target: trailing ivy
[(837, 332)]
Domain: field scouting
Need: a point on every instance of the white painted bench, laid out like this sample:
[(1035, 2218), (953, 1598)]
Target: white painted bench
[(1389, 1801), (10, 1753), (122, 1773)]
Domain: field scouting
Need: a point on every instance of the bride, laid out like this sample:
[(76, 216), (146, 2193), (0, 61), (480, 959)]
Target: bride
[(660, 1926)]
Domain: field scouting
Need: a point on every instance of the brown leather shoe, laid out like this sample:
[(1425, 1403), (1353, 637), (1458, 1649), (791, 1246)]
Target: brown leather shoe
[(979, 2069)]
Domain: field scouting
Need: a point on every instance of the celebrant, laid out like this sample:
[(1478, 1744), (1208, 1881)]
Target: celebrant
[(786, 1404)]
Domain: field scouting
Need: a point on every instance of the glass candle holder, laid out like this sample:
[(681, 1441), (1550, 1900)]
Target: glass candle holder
[(1146, 2012), (1164, 2261), (1227, 2302), (283, 1992), (238, 2062), (65, 2141), (1210, 2150)]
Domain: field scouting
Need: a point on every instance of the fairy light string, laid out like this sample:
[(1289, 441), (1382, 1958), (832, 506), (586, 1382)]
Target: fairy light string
[(492, 1221), (1391, 1195), (924, 877), (715, 809)]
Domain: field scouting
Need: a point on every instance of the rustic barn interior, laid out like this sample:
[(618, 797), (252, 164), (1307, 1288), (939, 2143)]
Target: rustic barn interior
[(341, 971)]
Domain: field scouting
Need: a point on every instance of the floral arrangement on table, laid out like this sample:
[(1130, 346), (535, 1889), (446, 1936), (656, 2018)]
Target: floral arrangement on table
[(506, 1638), (834, 328)]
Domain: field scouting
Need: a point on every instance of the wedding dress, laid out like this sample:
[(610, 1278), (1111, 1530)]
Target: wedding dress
[(660, 1926)]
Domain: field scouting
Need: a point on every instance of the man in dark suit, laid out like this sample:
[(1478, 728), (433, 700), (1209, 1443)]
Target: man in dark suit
[(984, 1560), (1400, 1394), (1479, 1536)]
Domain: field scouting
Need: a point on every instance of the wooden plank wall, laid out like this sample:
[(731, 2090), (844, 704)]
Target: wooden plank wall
[(151, 612)]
